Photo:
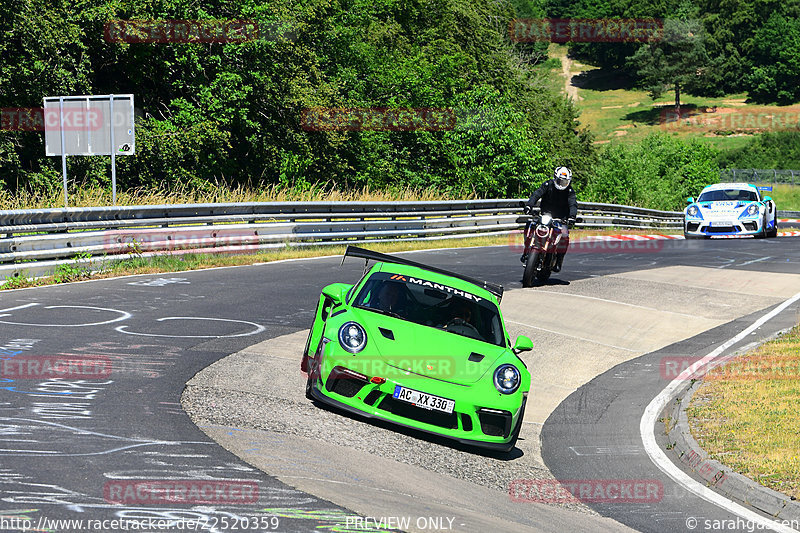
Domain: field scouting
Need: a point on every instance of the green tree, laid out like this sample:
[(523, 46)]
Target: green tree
[(776, 58), (678, 61)]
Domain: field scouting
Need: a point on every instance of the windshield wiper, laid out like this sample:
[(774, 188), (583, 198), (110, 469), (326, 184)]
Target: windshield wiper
[(381, 311)]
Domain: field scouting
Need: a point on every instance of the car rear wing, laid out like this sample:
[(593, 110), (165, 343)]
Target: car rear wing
[(369, 255)]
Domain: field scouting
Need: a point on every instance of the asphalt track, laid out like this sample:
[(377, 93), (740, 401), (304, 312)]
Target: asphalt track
[(64, 443)]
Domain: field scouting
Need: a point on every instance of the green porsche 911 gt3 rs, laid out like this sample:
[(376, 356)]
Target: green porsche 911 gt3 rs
[(420, 347)]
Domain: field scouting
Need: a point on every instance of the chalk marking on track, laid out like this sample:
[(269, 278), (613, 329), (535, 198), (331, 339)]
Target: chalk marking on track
[(259, 328), (125, 316)]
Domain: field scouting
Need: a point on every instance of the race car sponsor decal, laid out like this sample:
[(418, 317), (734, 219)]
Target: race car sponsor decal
[(437, 286)]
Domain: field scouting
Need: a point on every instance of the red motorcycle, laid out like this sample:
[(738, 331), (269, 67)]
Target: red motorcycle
[(543, 235)]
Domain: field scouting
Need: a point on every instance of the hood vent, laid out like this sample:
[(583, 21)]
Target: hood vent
[(475, 357), (387, 333)]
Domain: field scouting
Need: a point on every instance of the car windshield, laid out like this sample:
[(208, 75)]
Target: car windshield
[(729, 195), (432, 304)]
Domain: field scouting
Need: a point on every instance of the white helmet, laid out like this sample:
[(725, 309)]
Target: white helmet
[(562, 178)]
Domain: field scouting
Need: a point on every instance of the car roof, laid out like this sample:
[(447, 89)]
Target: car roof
[(724, 186), (422, 274)]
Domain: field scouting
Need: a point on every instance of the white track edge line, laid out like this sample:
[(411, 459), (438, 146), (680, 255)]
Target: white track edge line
[(648, 423)]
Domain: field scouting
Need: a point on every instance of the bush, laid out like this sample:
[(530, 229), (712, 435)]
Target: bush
[(658, 173), (780, 149)]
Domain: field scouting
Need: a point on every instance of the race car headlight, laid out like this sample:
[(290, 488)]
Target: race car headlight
[(352, 337), (506, 379), (752, 209), (692, 210)]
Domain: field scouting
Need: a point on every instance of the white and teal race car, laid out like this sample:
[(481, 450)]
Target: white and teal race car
[(730, 209)]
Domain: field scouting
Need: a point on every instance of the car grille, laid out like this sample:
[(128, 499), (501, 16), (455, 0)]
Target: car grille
[(343, 382), (495, 423), (750, 226), (692, 226), (372, 397), (466, 422), (406, 410), (721, 229)]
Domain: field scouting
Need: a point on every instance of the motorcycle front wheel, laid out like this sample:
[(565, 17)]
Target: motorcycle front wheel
[(543, 272), (530, 269)]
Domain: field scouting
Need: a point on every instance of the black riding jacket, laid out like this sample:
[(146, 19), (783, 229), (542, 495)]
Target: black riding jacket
[(560, 204)]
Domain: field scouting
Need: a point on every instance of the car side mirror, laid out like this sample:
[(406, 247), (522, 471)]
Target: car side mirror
[(690, 200), (336, 292), (523, 344), (767, 198)]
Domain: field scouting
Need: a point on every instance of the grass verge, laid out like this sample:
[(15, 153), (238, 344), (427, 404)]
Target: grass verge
[(81, 269), (91, 196), (745, 414), (787, 197)]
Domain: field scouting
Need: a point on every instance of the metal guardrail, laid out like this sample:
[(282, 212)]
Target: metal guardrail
[(36, 242)]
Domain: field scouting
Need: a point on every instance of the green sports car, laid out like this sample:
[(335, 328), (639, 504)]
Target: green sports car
[(420, 347)]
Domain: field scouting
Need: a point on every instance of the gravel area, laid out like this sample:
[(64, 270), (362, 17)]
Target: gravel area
[(260, 388)]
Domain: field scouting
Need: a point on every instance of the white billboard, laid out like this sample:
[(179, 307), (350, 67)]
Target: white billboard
[(89, 125)]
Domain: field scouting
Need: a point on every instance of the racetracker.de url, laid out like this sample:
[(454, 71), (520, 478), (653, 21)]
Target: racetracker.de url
[(206, 523)]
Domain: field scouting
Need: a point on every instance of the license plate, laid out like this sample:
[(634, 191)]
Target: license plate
[(721, 224), (421, 399)]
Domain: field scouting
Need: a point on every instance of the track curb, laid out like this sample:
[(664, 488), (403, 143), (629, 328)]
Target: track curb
[(716, 475)]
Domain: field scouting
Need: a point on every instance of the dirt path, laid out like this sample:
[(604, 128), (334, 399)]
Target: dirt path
[(569, 88)]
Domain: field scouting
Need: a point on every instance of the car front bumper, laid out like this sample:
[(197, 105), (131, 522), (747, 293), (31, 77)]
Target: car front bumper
[(481, 416), (705, 228)]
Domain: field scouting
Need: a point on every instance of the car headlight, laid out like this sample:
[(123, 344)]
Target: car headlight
[(752, 209), (352, 337), (692, 211), (506, 379)]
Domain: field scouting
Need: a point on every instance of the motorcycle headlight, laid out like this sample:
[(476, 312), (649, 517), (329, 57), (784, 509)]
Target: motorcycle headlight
[(692, 211), (546, 219), (506, 379), (752, 209), (352, 337)]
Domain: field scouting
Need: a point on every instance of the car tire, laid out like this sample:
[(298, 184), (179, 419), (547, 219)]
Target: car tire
[(517, 427), (763, 233), (313, 368), (771, 234)]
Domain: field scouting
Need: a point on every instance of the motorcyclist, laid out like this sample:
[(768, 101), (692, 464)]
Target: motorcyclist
[(559, 200)]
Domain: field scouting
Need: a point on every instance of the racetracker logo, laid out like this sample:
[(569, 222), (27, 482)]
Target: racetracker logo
[(755, 367), (176, 240), (176, 491), (606, 30), (379, 369), (182, 31), (55, 366), (726, 120), (35, 119), (626, 244), (586, 491)]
